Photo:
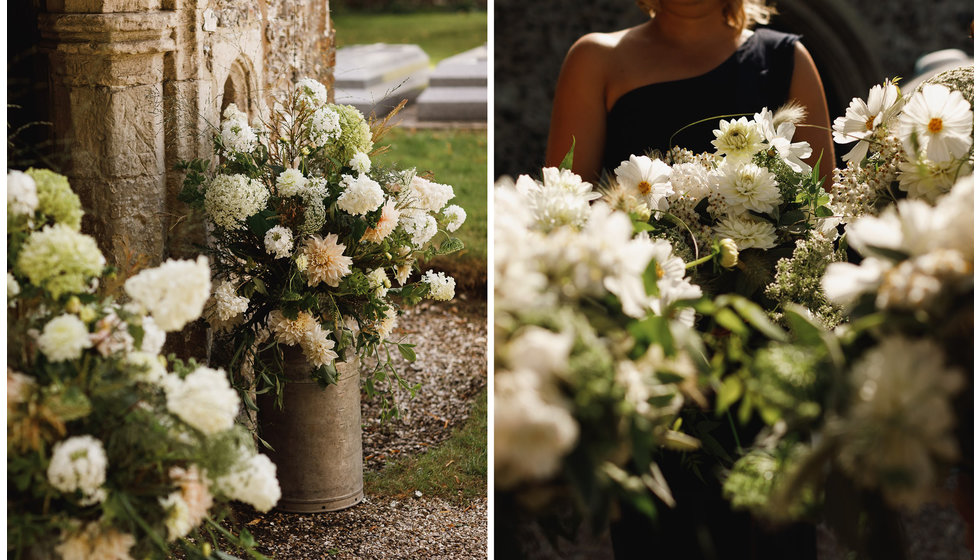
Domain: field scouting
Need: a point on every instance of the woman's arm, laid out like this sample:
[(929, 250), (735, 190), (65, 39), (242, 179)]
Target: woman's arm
[(806, 88), (579, 108)]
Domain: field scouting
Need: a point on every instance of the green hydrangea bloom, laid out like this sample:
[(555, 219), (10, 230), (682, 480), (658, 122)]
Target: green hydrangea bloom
[(756, 477), (56, 199), (60, 259), (355, 135)]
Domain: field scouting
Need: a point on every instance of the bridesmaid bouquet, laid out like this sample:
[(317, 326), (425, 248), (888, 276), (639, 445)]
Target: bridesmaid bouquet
[(112, 450), (592, 356), (310, 241)]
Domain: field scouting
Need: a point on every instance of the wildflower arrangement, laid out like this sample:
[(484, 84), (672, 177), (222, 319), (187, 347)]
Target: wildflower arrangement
[(742, 207), (309, 238), (113, 451), (591, 359)]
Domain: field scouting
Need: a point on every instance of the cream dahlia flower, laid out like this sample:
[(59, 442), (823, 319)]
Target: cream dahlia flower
[(325, 260)]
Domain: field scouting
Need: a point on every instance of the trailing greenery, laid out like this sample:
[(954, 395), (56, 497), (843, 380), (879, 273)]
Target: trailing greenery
[(456, 470)]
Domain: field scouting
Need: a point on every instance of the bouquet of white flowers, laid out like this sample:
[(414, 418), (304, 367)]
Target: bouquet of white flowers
[(309, 237), (109, 454)]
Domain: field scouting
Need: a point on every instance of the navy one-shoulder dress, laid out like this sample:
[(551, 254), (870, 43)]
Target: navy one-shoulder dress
[(756, 75)]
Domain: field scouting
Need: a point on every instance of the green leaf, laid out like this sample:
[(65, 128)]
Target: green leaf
[(566, 162), (450, 245), (653, 330), (729, 320), (650, 277), (756, 317), (291, 296), (730, 391), (407, 351), (260, 286), (824, 212)]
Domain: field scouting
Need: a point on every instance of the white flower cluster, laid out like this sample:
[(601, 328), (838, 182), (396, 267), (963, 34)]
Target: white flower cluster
[(204, 400), (420, 225), (324, 126), (311, 92), (236, 134), (228, 304), (253, 482), (428, 195), (360, 163), (360, 195), (560, 199), (79, 463), (64, 338), (279, 242), (938, 242), (441, 287), (455, 216), (173, 293), (21, 193), (924, 140), (229, 200), (291, 182)]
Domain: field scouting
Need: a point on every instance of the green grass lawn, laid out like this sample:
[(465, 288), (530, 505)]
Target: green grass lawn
[(455, 470), (440, 34), (457, 158)]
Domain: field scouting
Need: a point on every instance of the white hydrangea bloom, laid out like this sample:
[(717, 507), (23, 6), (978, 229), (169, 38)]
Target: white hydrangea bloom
[(178, 520), (279, 242), (360, 196), (236, 134), (428, 195), (79, 463), (153, 337), (420, 225), (311, 91), (746, 232), (441, 287), (360, 162), (231, 199), (228, 304), (455, 216), (324, 126), (64, 338), (291, 182), (13, 289), (174, 293), (205, 400), (153, 369), (21, 193), (252, 481), (746, 186)]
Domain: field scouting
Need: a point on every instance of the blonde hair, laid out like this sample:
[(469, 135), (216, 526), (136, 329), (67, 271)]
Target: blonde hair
[(739, 14)]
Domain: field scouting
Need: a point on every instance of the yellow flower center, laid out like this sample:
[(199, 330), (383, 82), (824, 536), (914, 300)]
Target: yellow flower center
[(644, 187), (870, 123), (660, 272), (935, 125)]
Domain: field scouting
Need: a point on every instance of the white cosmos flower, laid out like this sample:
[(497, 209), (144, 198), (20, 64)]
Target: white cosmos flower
[(746, 232), (937, 121), (671, 281), (862, 119), (781, 139), (738, 139), (360, 196), (746, 186), (928, 180), (647, 179)]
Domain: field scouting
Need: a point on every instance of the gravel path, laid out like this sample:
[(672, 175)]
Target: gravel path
[(451, 341)]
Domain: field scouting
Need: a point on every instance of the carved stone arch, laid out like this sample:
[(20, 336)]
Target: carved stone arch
[(239, 87), (841, 43)]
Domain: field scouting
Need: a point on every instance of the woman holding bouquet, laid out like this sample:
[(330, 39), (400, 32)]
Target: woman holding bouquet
[(650, 87), (630, 91)]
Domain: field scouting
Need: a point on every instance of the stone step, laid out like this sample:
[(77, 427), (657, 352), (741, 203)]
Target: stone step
[(457, 89), (375, 78)]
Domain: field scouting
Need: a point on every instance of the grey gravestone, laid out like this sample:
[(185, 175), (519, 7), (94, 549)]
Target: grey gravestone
[(375, 78), (457, 89)]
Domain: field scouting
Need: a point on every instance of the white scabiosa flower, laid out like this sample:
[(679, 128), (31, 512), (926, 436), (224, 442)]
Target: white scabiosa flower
[(746, 186), (360, 196), (204, 400), (738, 139), (936, 122), (420, 225), (231, 199), (441, 287), (455, 216), (252, 481), (64, 338), (862, 119), (79, 463), (387, 223), (901, 419), (291, 182), (174, 293), (427, 195), (279, 242), (360, 162), (647, 179), (21, 193), (746, 232)]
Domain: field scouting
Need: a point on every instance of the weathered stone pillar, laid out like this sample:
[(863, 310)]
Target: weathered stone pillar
[(106, 83)]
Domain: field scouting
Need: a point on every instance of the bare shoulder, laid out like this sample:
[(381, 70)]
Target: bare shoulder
[(594, 48)]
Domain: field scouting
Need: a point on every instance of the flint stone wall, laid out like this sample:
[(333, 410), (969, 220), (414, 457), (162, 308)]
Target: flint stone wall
[(855, 43)]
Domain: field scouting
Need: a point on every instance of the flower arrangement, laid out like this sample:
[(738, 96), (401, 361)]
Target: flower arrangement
[(591, 362), (112, 450), (309, 237), (742, 208)]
